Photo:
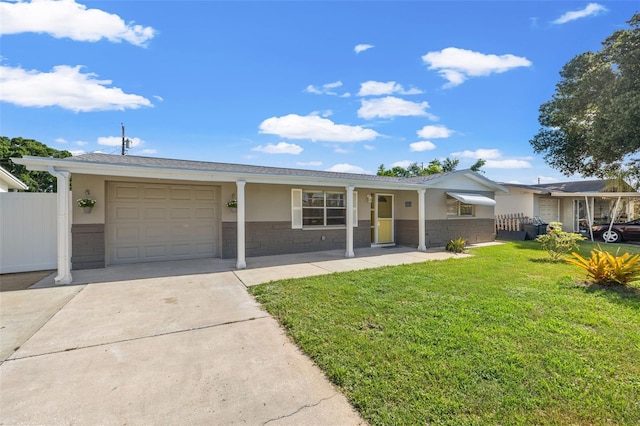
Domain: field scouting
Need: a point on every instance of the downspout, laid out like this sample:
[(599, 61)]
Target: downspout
[(64, 226)]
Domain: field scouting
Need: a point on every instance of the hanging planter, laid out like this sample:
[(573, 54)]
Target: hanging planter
[(232, 204), (86, 204)]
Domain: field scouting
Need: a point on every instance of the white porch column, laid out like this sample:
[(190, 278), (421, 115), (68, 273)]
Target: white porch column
[(64, 227), (421, 218), (241, 262), (349, 218)]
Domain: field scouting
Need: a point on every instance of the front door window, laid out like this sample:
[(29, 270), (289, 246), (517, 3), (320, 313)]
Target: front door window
[(384, 219)]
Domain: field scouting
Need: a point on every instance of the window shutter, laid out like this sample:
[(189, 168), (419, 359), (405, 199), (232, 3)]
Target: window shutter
[(355, 208), (296, 208)]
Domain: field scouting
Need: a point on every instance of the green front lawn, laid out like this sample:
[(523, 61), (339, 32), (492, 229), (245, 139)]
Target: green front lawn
[(503, 337)]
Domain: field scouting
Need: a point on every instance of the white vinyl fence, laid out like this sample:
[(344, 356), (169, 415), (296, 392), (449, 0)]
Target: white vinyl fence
[(28, 235)]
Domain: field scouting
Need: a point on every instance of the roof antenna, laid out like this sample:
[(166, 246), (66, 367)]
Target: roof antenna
[(126, 142)]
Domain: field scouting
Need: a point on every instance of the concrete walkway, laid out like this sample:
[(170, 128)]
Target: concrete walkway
[(168, 343)]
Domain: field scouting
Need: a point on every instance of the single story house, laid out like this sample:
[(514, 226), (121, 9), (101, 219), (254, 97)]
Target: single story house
[(576, 204), (9, 182), (154, 209)]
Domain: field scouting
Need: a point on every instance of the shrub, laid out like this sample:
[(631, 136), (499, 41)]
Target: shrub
[(456, 246), (605, 268), (557, 242)]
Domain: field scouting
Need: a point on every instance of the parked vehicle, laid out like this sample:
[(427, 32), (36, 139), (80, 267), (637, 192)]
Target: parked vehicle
[(627, 231)]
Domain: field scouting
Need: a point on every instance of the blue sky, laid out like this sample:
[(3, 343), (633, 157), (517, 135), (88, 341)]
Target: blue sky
[(342, 86)]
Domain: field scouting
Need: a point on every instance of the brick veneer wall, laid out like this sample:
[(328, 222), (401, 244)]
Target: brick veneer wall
[(271, 238), (438, 232), (87, 246)]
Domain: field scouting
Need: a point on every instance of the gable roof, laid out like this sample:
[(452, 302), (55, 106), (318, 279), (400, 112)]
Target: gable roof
[(135, 166), (580, 186), (12, 181)]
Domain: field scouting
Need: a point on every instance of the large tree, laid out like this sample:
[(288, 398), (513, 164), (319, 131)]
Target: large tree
[(591, 126), (19, 147)]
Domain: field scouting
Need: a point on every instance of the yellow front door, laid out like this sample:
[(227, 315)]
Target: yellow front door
[(384, 219)]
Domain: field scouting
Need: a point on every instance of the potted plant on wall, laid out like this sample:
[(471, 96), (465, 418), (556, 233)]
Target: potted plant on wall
[(86, 204), (232, 204)]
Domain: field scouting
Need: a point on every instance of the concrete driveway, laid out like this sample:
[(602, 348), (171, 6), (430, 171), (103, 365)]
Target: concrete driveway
[(168, 343), (190, 349)]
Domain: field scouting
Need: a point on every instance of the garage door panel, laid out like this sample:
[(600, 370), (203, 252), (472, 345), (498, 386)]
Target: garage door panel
[(163, 222), (203, 195), (127, 233), (157, 252), (127, 213), (180, 213), (202, 213), (126, 192), (155, 213), (155, 193), (127, 253), (181, 194)]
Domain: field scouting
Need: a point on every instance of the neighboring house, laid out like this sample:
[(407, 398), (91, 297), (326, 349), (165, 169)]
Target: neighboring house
[(575, 204), (153, 209), (9, 182)]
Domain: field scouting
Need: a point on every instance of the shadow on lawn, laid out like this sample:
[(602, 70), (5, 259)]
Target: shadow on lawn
[(621, 294)]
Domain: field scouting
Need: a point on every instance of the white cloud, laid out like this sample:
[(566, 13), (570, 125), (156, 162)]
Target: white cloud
[(325, 89), (362, 47), (456, 65), (147, 151), (309, 163), (421, 146), (591, 9), (485, 154), (404, 163), (391, 106), (81, 143), (68, 19), (76, 152), (65, 87), (316, 128), (369, 147), (60, 140), (339, 150), (494, 159), (311, 89), (379, 88), (117, 141), (434, 132), (280, 148), (158, 98), (507, 164), (346, 168)]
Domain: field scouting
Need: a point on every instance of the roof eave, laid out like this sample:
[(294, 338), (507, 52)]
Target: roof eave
[(597, 194), (155, 172), (14, 182)]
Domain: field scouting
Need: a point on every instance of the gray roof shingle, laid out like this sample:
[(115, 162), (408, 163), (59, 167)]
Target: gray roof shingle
[(152, 162)]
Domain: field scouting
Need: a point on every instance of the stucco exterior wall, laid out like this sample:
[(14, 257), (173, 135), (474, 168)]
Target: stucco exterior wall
[(436, 205), (515, 202)]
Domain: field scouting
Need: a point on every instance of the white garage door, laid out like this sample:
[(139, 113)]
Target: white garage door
[(149, 222), (548, 209)]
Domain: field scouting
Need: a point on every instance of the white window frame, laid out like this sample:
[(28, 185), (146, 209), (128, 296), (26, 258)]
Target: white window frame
[(297, 209)]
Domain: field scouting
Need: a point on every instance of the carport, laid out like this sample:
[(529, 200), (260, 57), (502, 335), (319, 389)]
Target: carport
[(590, 197)]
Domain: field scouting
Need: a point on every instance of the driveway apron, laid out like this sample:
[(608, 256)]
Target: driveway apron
[(193, 349)]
